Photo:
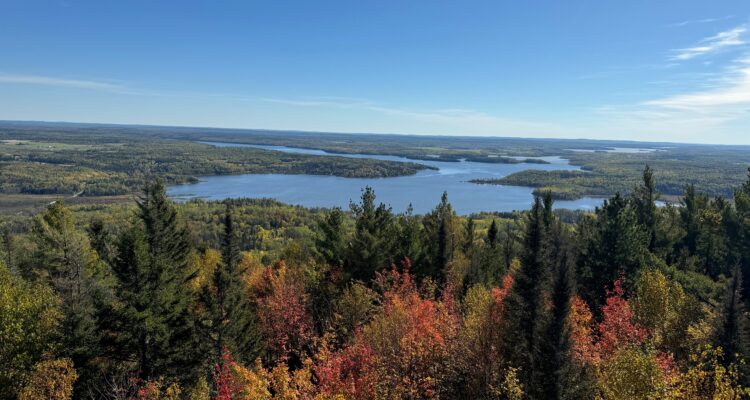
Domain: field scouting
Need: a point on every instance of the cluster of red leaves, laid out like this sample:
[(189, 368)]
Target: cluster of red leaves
[(499, 295), (283, 312), (350, 372), (224, 382), (400, 350), (584, 351), (618, 328)]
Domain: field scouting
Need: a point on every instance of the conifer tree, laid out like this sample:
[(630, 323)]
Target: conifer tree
[(233, 324), (371, 247), (331, 244), (409, 242), (442, 239), (525, 308), (469, 240), (65, 257), (742, 239), (693, 204), (644, 198), (492, 234), (556, 375), (734, 335), (613, 244), (156, 327)]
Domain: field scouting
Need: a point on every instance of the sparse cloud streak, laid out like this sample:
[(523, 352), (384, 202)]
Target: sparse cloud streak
[(721, 41), (61, 82), (723, 100), (699, 21)]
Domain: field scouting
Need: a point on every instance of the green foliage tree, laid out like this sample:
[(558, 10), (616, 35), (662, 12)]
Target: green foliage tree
[(444, 236), (155, 327), (644, 198), (371, 247), (232, 324), (612, 244), (525, 305), (331, 243), (65, 257), (734, 336), (29, 321)]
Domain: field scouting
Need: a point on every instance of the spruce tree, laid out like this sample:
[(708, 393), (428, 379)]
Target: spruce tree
[(693, 204), (525, 308), (492, 234), (232, 322), (734, 336), (613, 244), (409, 242), (442, 238), (644, 198), (469, 240), (156, 329), (331, 243), (371, 247), (64, 256), (741, 240)]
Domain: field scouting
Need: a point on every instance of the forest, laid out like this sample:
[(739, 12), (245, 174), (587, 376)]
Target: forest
[(253, 299), (97, 162), (66, 162)]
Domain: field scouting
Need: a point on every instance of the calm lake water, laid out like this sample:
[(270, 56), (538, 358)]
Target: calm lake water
[(422, 190)]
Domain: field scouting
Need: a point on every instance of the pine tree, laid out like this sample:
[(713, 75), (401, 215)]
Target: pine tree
[(612, 244), (509, 245), (371, 247), (331, 244), (65, 257), (741, 240), (525, 308), (556, 376), (693, 205), (409, 242), (233, 324), (469, 241), (442, 238), (492, 234), (644, 198), (156, 328), (734, 336)]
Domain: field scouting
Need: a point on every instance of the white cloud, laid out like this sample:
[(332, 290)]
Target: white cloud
[(713, 44), (61, 82), (699, 21), (711, 108)]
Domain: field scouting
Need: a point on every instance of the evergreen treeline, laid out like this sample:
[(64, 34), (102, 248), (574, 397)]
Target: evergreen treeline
[(631, 301)]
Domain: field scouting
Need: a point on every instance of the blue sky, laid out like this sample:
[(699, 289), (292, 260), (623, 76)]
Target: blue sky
[(676, 70)]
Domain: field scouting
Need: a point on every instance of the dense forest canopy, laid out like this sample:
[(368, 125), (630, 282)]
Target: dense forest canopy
[(253, 299)]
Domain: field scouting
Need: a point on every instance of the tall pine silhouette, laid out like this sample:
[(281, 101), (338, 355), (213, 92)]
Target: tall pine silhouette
[(157, 331), (232, 322)]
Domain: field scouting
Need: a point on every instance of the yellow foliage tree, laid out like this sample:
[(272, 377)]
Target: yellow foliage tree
[(50, 380)]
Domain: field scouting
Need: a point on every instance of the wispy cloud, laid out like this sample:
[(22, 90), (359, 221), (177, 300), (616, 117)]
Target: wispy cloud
[(721, 100), (61, 82), (721, 41), (699, 21)]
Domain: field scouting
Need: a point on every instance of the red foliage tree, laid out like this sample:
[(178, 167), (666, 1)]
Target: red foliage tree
[(617, 328), (350, 372), (224, 382), (283, 312)]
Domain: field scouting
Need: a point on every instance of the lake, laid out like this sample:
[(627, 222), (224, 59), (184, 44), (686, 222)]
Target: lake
[(422, 190)]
